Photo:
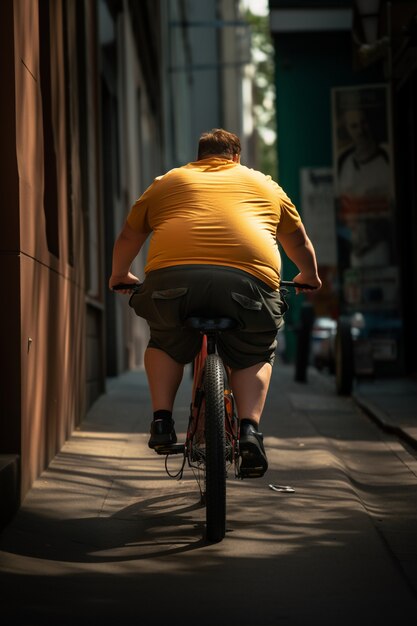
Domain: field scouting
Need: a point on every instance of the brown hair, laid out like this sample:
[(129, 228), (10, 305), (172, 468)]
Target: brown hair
[(218, 142)]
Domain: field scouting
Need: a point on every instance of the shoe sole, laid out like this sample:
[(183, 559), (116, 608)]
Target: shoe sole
[(254, 463), (162, 441)]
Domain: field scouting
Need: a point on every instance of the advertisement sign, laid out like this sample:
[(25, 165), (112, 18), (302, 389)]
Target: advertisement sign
[(364, 190)]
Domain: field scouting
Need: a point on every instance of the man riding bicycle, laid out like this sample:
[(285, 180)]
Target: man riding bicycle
[(214, 227)]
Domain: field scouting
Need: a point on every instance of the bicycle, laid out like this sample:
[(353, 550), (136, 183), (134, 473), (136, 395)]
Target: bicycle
[(211, 445)]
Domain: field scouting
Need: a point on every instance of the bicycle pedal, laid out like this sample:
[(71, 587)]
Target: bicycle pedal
[(251, 472), (174, 448)]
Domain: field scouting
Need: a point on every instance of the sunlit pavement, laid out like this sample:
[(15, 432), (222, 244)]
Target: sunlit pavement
[(106, 537)]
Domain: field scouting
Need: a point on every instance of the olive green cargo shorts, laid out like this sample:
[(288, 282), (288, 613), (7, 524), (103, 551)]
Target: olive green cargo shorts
[(170, 295)]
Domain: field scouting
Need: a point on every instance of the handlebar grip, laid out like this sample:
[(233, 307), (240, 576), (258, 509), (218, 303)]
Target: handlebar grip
[(121, 286), (291, 283)]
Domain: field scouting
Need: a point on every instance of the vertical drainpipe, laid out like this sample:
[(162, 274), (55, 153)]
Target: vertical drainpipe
[(168, 65), (218, 35)]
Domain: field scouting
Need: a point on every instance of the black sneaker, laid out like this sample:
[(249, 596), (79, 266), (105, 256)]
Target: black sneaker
[(162, 433), (254, 462)]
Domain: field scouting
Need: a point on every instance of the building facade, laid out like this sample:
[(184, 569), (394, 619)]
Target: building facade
[(341, 65), (98, 98)]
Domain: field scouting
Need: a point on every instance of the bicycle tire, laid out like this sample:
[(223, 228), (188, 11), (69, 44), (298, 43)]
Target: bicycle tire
[(215, 449)]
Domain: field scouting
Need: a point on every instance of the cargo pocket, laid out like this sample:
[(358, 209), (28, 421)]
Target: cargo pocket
[(247, 303), (169, 294), (169, 306), (274, 305), (249, 312)]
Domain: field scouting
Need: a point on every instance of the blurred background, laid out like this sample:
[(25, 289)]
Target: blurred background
[(101, 96)]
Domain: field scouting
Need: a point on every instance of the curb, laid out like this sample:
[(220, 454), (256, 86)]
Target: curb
[(382, 419)]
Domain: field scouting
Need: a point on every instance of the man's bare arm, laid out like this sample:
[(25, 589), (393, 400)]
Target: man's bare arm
[(298, 247), (127, 246)]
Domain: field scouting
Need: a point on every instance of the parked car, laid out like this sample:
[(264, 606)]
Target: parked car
[(322, 343), (323, 347)]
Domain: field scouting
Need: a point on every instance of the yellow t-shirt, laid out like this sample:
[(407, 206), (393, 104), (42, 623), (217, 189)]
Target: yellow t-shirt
[(215, 212)]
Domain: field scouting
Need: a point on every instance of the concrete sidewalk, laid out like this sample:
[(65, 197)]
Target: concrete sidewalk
[(104, 537), (392, 403)]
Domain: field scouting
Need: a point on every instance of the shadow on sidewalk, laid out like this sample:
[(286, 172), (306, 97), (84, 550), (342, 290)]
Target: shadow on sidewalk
[(154, 527)]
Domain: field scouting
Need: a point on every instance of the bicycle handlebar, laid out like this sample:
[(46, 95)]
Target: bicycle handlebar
[(291, 283), (121, 286)]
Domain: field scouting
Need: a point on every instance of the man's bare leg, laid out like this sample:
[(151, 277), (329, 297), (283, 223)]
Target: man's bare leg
[(250, 387), (164, 377)]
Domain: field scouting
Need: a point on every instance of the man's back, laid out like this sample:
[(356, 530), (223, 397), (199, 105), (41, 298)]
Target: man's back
[(204, 216), (215, 212)]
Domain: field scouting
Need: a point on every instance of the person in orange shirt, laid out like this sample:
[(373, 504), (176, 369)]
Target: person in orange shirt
[(214, 226)]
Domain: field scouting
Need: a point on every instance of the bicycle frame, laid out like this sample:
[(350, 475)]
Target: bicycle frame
[(195, 430)]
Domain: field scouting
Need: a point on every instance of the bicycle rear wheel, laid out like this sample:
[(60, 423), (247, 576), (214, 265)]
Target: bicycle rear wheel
[(215, 449)]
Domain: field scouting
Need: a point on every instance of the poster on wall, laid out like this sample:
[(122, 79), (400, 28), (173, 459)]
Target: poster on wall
[(317, 205), (364, 195)]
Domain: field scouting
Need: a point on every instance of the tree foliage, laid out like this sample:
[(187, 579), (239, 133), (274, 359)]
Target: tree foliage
[(262, 53)]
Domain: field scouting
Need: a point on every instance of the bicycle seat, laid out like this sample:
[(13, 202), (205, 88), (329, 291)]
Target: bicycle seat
[(210, 323)]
